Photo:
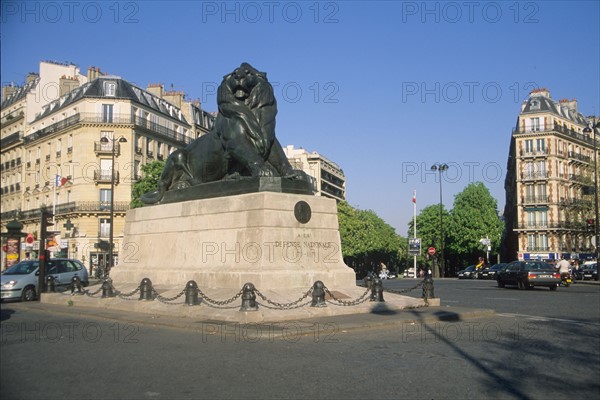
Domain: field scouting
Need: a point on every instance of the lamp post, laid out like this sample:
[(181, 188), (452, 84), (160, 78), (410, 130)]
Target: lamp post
[(112, 200), (441, 168), (595, 125)]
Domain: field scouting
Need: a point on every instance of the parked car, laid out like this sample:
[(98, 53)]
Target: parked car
[(589, 271), (467, 273), (528, 274), (491, 272), (21, 280)]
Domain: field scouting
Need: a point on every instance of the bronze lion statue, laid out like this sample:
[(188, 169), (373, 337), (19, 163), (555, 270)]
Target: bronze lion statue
[(242, 142)]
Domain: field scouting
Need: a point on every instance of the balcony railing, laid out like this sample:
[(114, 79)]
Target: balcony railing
[(106, 148), (154, 127), (556, 128), (534, 153), (527, 176), (579, 157), (568, 225), (68, 208), (534, 199), (105, 176)]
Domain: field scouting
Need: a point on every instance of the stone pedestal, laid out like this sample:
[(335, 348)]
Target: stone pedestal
[(277, 241)]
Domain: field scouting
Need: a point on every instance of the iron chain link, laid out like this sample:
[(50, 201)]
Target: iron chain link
[(355, 302), (285, 306)]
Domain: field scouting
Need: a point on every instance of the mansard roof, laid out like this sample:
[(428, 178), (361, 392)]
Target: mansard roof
[(19, 93), (537, 104), (122, 90)]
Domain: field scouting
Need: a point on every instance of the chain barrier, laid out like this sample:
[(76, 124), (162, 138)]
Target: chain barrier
[(355, 302), (284, 306), (92, 294), (215, 303), (167, 300), (418, 285), (128, 296), (270, 304)]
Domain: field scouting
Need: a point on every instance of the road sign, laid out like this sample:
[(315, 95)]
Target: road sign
[(431, 251), (414, 247), (30, 239)]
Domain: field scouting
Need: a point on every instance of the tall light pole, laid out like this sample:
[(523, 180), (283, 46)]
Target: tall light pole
[(112, 201), (588, 130), (441, 168)]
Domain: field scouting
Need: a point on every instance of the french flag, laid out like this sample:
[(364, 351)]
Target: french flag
[(60, 181), (414, 199)]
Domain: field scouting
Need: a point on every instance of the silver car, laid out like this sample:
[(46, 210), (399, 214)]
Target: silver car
[(21, 280)]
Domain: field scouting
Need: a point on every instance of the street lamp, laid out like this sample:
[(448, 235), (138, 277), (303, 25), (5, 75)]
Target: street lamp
[(595, 125), (105, 140), (441, 168)]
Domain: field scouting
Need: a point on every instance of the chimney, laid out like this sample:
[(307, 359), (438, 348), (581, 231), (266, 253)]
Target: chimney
[(540, 92), (8, 90), (156, 89), (569, 104), (94, 73), (67, 84), (174, 97)]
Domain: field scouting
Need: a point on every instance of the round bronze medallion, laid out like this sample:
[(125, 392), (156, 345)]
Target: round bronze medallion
[(302, 212)]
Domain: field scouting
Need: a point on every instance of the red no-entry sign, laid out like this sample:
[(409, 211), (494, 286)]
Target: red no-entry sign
[(431, 251)]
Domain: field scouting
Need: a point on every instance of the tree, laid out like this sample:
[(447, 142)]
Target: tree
[(428, 229), (150, 175), (367, 240), (474, 216)]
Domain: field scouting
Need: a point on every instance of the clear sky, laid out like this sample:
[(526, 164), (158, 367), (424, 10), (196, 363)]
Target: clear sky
[(384, 89)]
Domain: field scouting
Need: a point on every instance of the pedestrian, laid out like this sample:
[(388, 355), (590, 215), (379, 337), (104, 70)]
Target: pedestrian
[(563, 267)]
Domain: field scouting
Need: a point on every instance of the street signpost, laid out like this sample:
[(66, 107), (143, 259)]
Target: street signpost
[(431, 251)]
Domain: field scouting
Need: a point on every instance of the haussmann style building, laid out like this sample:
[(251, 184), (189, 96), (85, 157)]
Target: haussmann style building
[(53, 154), (550, 182)]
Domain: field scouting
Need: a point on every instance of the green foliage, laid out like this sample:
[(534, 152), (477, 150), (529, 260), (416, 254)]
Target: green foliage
[(367, 240), (474, 216), (428, 226), (150, 175)]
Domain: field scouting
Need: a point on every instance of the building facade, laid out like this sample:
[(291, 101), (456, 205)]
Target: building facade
[(550, 182), (327, 177), (53, 154)]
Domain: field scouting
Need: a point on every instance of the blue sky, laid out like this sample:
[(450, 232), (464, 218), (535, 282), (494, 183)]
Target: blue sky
[(384, 89)]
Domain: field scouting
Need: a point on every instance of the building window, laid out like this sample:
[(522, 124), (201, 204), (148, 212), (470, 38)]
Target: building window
[(540, 145), (543, 219), (529, 146), (531, 219), (535, 124), (108, 145), (531, 242), (110, 89), (107, 113), (105, 195), (542, 192), (104, 227)]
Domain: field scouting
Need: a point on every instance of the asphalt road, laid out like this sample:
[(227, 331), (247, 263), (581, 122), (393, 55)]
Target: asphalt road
[(541, 344)]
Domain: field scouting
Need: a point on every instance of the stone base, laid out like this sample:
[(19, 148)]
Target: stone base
[(277, 241), (238, 186)]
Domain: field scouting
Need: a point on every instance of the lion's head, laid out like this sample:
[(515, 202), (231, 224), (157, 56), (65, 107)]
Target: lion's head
[(242, 81)]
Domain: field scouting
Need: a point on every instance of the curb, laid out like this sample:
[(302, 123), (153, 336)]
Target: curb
[(302, 327)]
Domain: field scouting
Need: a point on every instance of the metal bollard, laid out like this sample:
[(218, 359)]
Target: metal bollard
[(377, 290), (76, 285), (248, 298), (428, 288), (146, 290), (50, 284), (107, 289), (191, 293), (318, 295)]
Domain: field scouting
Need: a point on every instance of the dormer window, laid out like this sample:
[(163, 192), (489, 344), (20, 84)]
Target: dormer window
[(535, 104), (110, 88)]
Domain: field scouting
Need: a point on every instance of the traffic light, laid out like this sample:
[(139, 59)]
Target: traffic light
[(591, 224), (46, 223)]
